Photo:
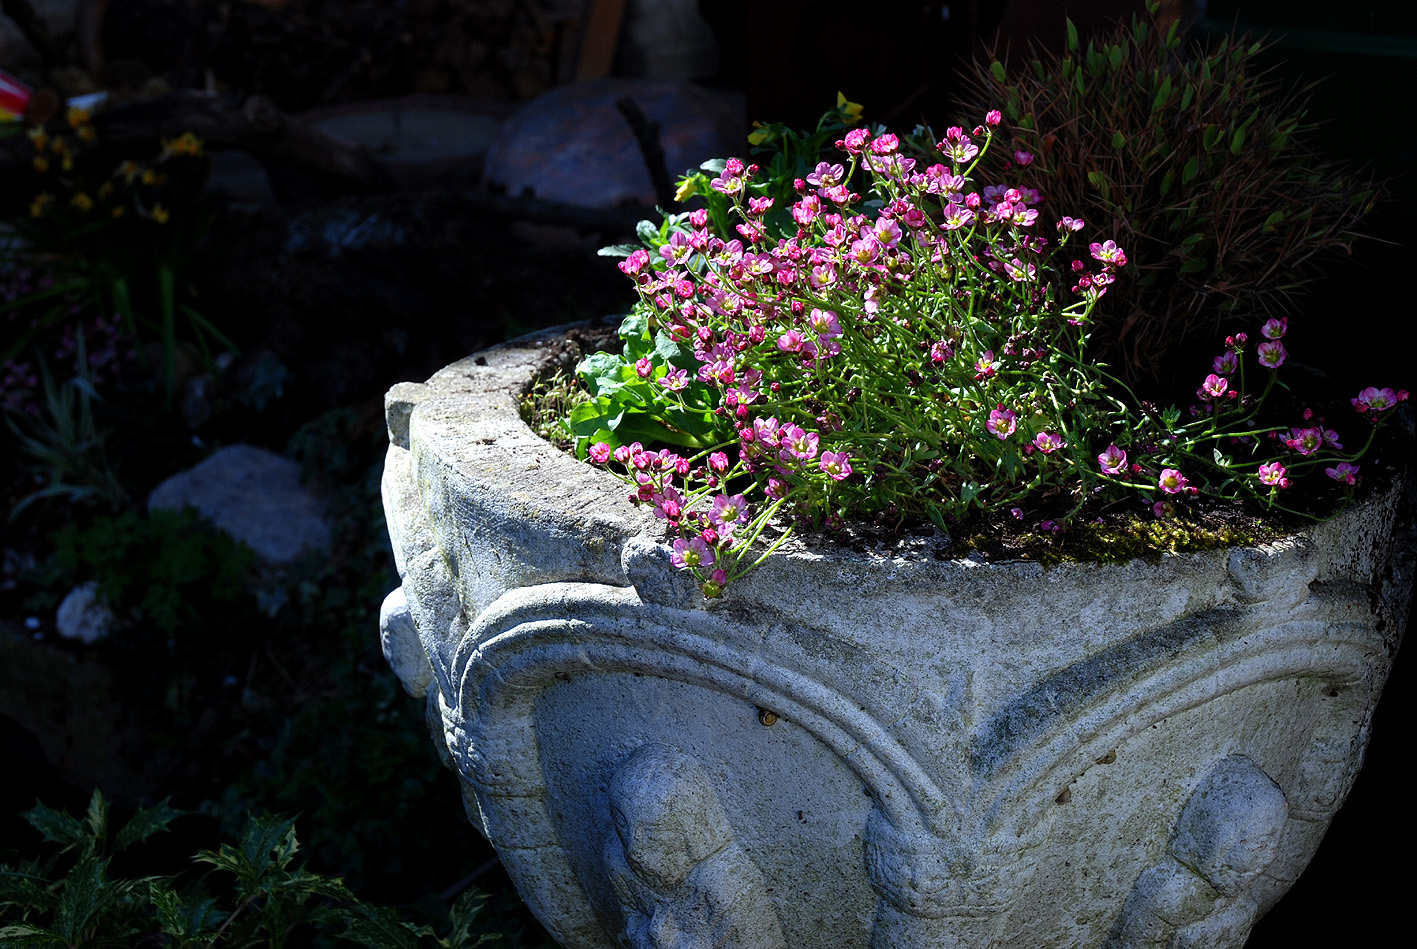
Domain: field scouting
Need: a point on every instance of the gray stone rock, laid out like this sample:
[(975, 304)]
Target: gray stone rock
[(572, 146), (255, 496), (83, 615)]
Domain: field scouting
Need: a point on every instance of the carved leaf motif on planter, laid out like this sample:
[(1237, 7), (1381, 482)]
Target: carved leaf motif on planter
[(1198, 895), (681, 878)]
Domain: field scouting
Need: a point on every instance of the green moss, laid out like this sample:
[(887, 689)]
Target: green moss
[(1133, 539)]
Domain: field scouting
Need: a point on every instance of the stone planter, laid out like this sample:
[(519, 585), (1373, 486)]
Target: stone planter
[(853, 750)]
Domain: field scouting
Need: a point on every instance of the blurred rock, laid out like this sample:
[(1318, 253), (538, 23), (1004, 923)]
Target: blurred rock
[(255, 496), (572, 145), (83, 615)]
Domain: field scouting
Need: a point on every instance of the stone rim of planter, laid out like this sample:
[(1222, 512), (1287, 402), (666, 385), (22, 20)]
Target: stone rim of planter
[(968, 714)]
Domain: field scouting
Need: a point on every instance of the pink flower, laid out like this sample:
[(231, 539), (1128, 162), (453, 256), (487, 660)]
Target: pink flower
[(1305, 441), (824, 323), (674, 380), (667, 504), (1108, 253), (993, 117), (1213, 387), (600, 453), (1377, 400), (985, 367), (727, 512), (790, 342), (1047, 442), (798, 444), (718, 461), (1002, 422), (1226, 363), (643, 367), (691, 554), (1344, 473), (1023, 158), (1273, 474), (1171, 481), (1271, 353), (636, 262), (1071, 224), (1275, 328), (835, 464), (1113, 460)]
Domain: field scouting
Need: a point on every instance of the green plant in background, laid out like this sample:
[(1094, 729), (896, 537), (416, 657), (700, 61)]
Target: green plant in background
[(66, 450), (167, 572), (1192, 161), (118, 240), (254, 896)]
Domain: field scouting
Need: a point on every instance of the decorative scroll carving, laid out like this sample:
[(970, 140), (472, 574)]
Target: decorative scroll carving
[(1197, 896), (680, 877)]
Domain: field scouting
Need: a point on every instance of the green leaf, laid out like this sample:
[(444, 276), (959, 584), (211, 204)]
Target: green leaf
[(1272, 220), (1193, 265), (648, 232), (1163, 95), (714, 165), (1187, 95), (379, 927), (1237, 141), (1119, 141), (1099, 181), (618, 250), (190, 921), (57, 827), (1072, 35), (996, 69), (936, 516), (97, 817), (667, 348), (88, 897), (146, 822), (1221, 460), (635, 324), (1191, 169), (1211, 135), (1114, 57), (1170, 417), (1167, 181)]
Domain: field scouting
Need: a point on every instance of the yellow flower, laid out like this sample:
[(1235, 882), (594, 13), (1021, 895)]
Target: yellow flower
[(38, 204), (105, 190), (848, 110), (185, 144), (88, 133), (761, 133), (81, 201), (688, 187), (67, 164), (41, 164), (159, 214), (118, 210), (39, 138), (79, 118), (150, 177), (129, 170)]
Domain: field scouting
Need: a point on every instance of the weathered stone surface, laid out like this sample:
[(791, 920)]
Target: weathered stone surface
[(908, 752), (255, 496)]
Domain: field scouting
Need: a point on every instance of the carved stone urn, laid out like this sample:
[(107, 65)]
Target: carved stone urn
[(895, 750)]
